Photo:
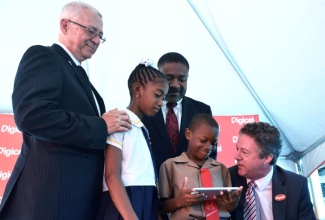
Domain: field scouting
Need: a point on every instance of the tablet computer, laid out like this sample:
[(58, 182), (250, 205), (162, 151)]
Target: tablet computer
[(212, 192)]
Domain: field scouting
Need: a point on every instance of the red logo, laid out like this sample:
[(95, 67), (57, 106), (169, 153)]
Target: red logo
[(280, 197)]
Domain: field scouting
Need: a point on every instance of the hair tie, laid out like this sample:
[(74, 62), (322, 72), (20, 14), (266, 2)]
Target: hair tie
[(147, 62)]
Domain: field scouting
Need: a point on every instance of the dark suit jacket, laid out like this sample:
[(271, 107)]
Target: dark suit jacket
[(59, 172), (297, 204), (161, 147)]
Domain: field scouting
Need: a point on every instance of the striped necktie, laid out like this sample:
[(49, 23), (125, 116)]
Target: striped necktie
[(250, 203)]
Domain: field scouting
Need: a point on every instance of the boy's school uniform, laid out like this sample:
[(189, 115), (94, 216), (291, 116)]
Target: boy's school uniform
[(171, 178)]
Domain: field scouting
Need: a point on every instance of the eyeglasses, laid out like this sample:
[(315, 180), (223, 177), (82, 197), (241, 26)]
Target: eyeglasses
[(91, 32), (181, 78)]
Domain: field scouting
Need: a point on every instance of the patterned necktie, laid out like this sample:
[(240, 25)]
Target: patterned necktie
[(250, 203), (172, 126), (210, 207)]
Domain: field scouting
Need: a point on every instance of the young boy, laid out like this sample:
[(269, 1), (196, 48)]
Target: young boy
[(178, 176)]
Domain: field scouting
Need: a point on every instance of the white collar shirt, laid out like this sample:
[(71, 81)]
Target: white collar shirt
[(263, 191)]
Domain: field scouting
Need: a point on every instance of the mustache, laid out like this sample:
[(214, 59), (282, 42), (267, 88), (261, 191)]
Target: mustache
[(174, 90)]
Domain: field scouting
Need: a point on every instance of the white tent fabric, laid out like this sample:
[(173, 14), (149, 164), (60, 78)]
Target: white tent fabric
[(277, 50), (281, 65), (269, 60), (281, 59)]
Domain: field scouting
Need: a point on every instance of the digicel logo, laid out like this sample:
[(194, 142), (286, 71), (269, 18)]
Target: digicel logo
[(242, 120), (9, 152), (9, 129), (4, 175)]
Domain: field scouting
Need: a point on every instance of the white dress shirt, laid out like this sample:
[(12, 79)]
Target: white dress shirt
[(263, 195)]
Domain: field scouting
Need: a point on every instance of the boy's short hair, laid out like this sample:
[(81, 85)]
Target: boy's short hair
[(202, 118)]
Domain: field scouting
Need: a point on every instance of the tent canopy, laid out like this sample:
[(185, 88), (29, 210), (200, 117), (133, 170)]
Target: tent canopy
[(246, 57), (276, 49)]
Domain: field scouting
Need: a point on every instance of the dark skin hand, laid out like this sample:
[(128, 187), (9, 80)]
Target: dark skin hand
[(230, 199), (185, 198), (189, 197)]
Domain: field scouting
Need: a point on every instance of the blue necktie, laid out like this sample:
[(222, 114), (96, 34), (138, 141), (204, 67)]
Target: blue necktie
[(150, 149)]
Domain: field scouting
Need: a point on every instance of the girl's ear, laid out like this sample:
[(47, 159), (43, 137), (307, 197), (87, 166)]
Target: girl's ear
[(136, 89)]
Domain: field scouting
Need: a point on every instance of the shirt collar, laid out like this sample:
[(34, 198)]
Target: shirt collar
[(164, 107), (70, 54), (184, 159), (263, 182), (135, 120)]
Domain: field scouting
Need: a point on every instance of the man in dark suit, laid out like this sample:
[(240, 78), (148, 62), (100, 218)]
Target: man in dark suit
[(59, 172), (279, 194), (176, 68)]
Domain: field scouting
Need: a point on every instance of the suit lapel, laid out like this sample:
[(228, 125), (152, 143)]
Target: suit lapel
[(242, 182), (278, 189), (187, 114), (86, 85), (84, 80), (99, 100), (159, 122)]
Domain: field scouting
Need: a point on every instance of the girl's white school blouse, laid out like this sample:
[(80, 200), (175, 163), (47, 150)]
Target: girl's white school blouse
[(137, 166)]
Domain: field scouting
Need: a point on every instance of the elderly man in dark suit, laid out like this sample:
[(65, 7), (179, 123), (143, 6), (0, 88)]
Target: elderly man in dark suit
[(176, 68), (59, 172), (275, 193)]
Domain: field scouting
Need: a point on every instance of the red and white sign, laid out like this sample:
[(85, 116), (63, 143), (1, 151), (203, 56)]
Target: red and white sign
[(10, 146), (229, 128), (11, 140)]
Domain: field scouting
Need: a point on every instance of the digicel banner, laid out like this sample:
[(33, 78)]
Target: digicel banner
[(11, 140), (229, 128), (10, 145)]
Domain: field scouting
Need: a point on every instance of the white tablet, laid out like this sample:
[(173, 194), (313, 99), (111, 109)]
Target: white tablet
[(212, 192)]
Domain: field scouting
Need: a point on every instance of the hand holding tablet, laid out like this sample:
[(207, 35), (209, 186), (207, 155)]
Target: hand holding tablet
[(213, 192)]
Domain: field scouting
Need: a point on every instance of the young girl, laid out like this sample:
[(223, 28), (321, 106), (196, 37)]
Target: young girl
[(129, 168)]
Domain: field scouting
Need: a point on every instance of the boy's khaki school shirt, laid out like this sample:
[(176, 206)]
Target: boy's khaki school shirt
[(171, 178)]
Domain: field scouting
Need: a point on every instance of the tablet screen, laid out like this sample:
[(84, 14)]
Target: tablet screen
[(212, 192)]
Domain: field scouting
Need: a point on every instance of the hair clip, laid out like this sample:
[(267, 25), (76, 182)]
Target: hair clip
[(147, 62)]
